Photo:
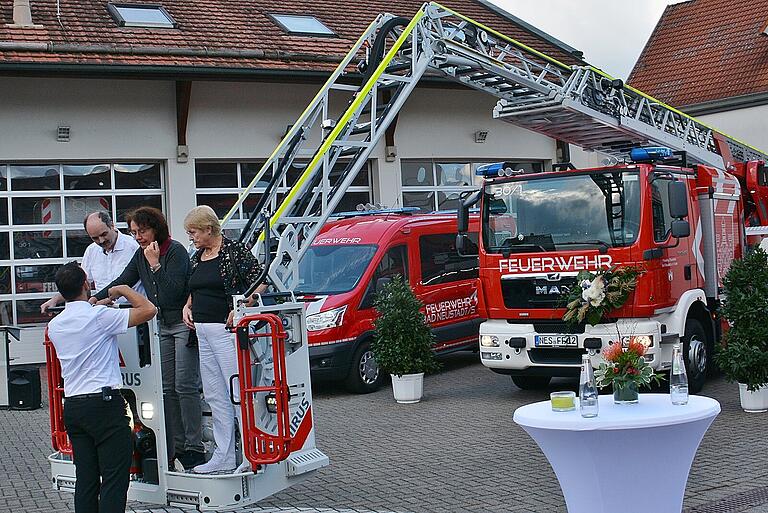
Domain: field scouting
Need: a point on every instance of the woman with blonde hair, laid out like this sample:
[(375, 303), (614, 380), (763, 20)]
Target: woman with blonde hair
[(219, 269)]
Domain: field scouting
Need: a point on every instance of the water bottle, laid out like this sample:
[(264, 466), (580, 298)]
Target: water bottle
[(587, 389), (678, 380)]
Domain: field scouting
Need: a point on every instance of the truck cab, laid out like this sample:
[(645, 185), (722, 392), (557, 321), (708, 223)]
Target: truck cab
[(681, 226), (350, 260)]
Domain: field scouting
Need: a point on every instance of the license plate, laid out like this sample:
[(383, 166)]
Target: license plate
[(556, 341)]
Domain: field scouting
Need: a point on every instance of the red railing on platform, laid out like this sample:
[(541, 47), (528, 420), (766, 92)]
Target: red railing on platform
[(59, 439), (262, 448)]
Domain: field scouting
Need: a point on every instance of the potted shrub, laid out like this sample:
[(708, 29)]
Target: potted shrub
[(744, 355), (403, 340)]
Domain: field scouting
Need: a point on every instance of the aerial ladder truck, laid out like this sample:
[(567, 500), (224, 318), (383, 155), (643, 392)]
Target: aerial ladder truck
[(579, 104)]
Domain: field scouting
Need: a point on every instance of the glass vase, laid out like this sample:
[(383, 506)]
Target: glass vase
[(626, 393)]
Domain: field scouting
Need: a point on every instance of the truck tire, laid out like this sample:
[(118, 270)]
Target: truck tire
[(531, 382), (364, 374), (697, 356)]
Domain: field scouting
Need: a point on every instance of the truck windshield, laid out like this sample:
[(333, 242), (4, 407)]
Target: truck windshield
[(562, 212), (333, 269)]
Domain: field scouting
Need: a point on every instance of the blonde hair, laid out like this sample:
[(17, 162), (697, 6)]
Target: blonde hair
[(203, 217)]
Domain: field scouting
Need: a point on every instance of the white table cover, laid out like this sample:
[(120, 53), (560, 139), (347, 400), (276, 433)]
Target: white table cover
[(629, 459)]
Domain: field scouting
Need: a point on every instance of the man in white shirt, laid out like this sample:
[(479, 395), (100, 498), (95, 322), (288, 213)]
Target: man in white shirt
[(96, 416), (106, 258)]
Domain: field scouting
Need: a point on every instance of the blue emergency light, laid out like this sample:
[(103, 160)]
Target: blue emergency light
[(650, 154), (496, 169)]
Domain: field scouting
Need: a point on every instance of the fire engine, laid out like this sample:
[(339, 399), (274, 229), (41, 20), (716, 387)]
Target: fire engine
[(681, 223), (577, 104)]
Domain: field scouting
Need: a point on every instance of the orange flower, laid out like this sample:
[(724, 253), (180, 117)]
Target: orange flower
[(613, 352), (637, 348)]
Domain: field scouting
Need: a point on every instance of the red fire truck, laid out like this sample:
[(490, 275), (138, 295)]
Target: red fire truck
[(681, 224), (349, 261)]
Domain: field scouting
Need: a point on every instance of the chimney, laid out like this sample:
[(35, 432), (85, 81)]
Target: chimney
[(22, 14)]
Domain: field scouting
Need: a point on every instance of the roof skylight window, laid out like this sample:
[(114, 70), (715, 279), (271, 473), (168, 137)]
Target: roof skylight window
[(302, 25), (141, 15)]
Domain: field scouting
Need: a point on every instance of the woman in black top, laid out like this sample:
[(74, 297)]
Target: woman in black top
[(220, 269)]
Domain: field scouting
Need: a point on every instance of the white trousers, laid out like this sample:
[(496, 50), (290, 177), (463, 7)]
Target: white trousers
[(218, 362)]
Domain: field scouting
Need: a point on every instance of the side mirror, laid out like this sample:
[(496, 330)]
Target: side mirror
[(680, 229), (678, 200), (462, 213)]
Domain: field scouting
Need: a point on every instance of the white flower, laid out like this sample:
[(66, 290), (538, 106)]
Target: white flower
[(595, 293)]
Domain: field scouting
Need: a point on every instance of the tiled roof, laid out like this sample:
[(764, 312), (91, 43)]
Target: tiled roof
[(705, 50), (241, 29)]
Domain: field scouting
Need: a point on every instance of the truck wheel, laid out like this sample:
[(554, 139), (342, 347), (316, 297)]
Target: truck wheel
[(696, 354), (531, 382), (364, 373)]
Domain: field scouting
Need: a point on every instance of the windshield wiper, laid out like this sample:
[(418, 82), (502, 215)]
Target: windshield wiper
[(604, 246)]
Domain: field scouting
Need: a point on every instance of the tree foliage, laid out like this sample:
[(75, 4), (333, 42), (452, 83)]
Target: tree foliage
[(403, 340), (744, 354)]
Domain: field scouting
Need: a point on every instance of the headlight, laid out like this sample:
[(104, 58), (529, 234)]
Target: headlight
[(489, 341), (325, 320), (645, 340)]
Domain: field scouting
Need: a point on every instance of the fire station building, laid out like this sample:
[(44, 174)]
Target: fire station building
[(110, 105)]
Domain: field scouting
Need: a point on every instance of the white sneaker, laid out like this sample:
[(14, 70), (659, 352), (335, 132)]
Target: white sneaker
[(212, 467)]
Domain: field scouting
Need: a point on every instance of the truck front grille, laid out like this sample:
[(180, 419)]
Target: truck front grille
[(532, 293)]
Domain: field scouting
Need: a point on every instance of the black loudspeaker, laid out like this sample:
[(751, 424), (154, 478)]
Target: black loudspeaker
[(24, 388)]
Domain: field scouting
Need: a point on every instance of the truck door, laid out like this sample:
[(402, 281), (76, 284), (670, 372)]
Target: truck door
[(674, 272), (448, 288)]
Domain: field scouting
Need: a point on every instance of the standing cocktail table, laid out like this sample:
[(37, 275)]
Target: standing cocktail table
[(629, 459)]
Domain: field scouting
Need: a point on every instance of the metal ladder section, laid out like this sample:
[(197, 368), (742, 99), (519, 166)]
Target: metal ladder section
[(577, 104), (596, 112), (339, 145)]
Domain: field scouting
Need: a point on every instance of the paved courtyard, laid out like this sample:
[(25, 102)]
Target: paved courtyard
[(458, 450)]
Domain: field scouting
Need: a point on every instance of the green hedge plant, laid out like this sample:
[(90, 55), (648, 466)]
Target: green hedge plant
[(403, 340), (744, 355)]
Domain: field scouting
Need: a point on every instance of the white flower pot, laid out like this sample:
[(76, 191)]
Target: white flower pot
[(408, 388), (753, 402)]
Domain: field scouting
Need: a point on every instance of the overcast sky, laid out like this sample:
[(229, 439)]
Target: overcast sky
[(611, 33)]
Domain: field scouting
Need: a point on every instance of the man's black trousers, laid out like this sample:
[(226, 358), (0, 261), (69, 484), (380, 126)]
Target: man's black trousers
[(102, 443)]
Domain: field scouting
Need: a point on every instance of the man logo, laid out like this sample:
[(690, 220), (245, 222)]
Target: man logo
[(553, 277), (552, 290)]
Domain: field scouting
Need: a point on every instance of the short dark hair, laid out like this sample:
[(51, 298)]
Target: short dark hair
[(103, 215), (149, 217), (69, 280)]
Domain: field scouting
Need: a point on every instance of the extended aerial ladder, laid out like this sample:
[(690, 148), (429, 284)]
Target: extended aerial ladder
[(577, 104)]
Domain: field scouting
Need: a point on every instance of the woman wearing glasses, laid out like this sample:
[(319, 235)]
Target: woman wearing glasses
[(162, 265)]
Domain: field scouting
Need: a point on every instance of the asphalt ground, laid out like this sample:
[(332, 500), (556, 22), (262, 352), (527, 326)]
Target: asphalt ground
[(456, 451)]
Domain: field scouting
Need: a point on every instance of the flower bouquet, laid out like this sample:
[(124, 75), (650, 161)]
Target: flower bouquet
[(626, 369), (598, 293)]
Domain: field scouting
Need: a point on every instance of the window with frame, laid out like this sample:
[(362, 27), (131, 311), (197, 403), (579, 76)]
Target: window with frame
[(42, 208), (393, 263), (220, 183), (437, 185), (302, 25), (662, 221), (441, 263), (141, 15)]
